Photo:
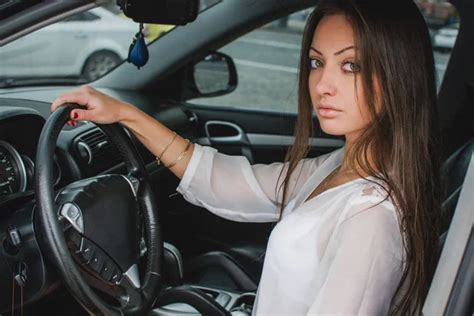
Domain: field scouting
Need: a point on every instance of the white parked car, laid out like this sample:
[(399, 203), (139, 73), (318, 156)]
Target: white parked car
[(445, 38), (87, 44)]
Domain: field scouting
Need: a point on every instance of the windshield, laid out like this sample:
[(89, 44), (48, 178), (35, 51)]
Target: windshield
[(79, 49)]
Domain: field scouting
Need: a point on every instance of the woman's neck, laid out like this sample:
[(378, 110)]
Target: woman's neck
[(350, 163)]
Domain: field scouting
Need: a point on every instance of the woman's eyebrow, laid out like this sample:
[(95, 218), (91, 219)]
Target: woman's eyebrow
[(336, 53)]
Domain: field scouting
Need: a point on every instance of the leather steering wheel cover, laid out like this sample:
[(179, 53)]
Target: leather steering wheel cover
[(52, 234)]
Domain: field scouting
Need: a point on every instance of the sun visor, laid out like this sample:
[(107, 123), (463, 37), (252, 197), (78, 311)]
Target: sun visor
[(175, 12)]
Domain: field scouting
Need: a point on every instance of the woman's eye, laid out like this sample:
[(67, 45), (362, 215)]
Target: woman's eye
[(315, 64), (350, 67)]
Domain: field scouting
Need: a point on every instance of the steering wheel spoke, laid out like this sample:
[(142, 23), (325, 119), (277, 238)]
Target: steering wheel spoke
[(103, 274), (134, 183), (72, 215), (131, 285)]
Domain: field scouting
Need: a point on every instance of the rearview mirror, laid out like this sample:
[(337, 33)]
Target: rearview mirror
[(176, 12)]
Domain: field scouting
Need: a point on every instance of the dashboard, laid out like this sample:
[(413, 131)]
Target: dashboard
[(20, 128)]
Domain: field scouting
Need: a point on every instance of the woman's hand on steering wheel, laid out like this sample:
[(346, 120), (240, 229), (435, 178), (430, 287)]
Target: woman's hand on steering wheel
[(98, 107)]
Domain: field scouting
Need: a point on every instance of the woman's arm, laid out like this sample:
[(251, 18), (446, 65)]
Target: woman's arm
[(155, 136), (103, 109)]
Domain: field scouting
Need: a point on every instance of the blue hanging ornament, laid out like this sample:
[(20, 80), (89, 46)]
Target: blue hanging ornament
[(138, 51)]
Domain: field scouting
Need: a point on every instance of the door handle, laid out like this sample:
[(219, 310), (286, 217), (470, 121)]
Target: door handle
[(240, 137)]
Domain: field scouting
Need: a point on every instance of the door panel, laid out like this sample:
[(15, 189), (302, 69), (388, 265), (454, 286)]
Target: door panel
[(267, 135)]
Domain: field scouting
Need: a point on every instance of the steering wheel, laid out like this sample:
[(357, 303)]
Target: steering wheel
[(96, 229)]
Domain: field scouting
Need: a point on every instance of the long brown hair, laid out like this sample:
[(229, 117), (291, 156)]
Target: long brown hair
[(394, 47)]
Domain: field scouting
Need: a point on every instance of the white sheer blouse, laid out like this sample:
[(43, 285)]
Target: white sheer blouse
[(339, 253)]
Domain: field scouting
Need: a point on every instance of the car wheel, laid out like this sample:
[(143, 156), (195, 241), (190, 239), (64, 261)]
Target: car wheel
[(99, 64)]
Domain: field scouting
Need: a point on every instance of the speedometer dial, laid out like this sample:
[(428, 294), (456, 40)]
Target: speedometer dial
[(12, 170)]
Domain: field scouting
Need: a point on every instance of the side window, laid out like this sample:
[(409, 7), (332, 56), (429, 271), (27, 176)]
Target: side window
[(443, 23), (267, 62)]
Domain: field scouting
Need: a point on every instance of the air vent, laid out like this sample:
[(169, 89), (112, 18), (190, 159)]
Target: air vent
[(97, 152)]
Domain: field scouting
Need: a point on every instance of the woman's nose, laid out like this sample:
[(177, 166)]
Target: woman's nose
[(326, 84)]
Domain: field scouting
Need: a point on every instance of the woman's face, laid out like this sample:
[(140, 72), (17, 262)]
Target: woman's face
[(340, 107)]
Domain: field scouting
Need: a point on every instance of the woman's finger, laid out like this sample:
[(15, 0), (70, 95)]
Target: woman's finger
[(81, 115)]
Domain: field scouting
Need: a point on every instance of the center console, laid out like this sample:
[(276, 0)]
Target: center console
[(180, 298), (235, 303)]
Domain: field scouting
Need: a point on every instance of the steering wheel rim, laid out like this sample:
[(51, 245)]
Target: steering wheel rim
[(53, 238)]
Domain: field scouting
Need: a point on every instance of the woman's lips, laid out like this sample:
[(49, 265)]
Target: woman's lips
[(327, 112)]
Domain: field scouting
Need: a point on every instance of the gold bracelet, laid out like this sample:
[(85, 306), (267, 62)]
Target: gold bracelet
[(158, 159), (171, 165)]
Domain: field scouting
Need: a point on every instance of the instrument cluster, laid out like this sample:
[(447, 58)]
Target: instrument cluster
[(17, 171)]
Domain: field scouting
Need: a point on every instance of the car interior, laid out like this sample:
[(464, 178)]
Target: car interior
[(171, 257)]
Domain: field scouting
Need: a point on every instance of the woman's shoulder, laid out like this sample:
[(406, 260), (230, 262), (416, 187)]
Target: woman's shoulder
[(371, 194), (370, 213)]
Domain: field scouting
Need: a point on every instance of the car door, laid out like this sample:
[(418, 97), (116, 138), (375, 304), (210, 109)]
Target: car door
[(76, 32), (32, 55), (48, 52)]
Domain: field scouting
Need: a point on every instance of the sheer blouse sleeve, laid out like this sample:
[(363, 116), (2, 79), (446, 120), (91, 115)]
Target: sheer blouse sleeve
[(232, 188), (364, 262)]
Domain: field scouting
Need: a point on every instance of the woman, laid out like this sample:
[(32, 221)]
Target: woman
[(357, 228)]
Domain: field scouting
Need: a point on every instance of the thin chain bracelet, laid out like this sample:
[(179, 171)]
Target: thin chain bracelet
[(171, 165), (158, 159)]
